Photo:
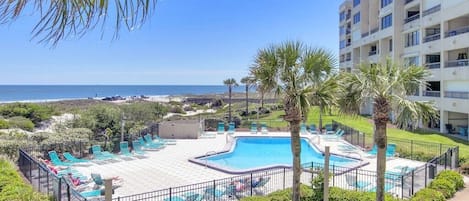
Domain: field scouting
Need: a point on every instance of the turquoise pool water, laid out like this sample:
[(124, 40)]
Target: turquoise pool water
[(262, 152)]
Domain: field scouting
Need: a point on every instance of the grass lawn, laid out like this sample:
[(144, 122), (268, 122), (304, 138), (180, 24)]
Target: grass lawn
[(365, 125)]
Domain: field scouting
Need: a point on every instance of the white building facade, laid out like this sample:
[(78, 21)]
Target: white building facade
[(430, 33)]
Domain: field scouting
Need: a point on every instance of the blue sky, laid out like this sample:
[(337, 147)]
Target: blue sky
[(199, 42)]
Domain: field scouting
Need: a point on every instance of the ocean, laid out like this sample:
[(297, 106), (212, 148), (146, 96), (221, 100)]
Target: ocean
[(41, 93)]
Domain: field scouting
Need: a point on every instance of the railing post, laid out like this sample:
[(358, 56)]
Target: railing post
[(411, 149), (30, 170), (68, 192), (214, 187), (440, 148), (446, 159), (283, 181), (356, 179), (426, 174), (333, 174), (412, 187), (402, 184), (170, 193), (59, 193)]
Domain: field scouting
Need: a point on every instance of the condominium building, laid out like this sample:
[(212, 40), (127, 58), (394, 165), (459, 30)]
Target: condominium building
[(431, 33)]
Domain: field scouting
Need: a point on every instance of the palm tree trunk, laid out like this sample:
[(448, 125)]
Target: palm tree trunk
[(229, 106), (247, 100), (320, 119), (380, 118), (296, 150)]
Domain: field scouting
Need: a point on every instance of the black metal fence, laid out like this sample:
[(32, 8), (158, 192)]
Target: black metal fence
[(410, 149), (44, 181)]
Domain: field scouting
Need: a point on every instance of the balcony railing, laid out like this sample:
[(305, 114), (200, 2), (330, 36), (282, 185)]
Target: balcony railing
[(347, 31), (412, 18), (431, 93), (348, 59), (372, 52), (457, 94), (348, 44), (374, 30), (457, 63), (432, 37), (433, 65), (457, 31), (408, 1), (431, 10), (348, 16)]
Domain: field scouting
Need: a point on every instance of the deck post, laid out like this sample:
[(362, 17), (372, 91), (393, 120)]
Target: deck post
[(108, 189), (326, 174)]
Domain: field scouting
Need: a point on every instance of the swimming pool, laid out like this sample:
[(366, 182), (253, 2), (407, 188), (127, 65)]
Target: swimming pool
[(253, 153)]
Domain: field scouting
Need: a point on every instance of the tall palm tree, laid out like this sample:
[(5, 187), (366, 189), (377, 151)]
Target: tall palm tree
[(231, 82), (387, 85), (289, 70), (59, 19), (248, 82)]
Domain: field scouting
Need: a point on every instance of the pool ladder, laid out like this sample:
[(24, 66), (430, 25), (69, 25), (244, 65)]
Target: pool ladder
[(208, 154)]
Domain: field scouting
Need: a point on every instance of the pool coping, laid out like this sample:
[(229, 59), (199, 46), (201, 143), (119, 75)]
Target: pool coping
[(231, 145)]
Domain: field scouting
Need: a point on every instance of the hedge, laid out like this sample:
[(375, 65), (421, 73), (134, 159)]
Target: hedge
[(428, 194), (444, 186), (453, 177), (12, 186)]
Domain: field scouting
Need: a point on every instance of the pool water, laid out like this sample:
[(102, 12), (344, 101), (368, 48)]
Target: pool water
[(262, 152)]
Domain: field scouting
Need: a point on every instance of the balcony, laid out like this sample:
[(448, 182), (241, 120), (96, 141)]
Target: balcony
[(431, 10), (348, 59), (412, 18), (457, 94), (431, 93), (408, 1), (432, 37), (347, 31), (372, 52), (434, 65), (457, 31), (374, 30), (457, 63), (348, 16), (365, 34)]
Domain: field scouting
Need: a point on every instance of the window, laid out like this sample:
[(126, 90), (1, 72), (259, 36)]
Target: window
[(409, 61), (390, 45), (412, 39), (356, 3), (384, 3), (342, 44), (341, 30), (342, 16), (386, 21), (356, 18)]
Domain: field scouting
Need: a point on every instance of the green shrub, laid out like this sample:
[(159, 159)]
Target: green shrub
[(12, 186), (427, 194), (255, 198), (10, 148), (21, 122), (444, 186), (4, 124), (453, 177), (34, 112)]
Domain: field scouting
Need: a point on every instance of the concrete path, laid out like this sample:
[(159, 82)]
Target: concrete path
[(462, 195)]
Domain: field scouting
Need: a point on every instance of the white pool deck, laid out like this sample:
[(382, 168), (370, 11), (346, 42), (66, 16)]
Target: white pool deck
[(170, 166)]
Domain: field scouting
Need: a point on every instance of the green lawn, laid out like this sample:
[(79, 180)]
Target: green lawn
[(365, 125)]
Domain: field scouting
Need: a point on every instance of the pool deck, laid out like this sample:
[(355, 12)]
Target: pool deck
[(170, 166)]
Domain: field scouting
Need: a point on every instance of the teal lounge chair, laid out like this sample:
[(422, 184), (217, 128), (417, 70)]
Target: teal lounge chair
[(253, 128), (72, 158), (264, 128), (221, 128), (138, 148), (313, 129), (387, 187), (303, 129), (212, 193), (124, 149), (54, 158), (152, 142), (101, 155), (390, 150), (231, 128), (336, 136), (164, 141), (174, 198), (329, 129), (352, 181), (191, 196), (150, 145)]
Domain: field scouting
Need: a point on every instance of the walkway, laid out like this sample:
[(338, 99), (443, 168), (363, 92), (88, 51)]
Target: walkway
[(462, 195)]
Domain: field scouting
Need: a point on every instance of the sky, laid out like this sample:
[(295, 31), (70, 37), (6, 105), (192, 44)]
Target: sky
[(195, 42)]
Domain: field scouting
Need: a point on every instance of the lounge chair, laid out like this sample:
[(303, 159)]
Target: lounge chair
[(259, 184), (150, 145), (352, 181), (174, 198), (69, 157), (329, 129), (54, 158), (335, 136), (124, 149), (137, 147), (264, 129), (98, 180), (211, 193), (164, 141), (101, 155), (397, 173), (313, 129), (191, 196), (253, 128), (92, 193), (221, 128), (231, 128), (387, 187), (303, 129)]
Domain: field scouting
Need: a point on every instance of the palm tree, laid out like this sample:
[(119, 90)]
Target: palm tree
[(248, 82), (289, 70), (231, 82), (60, 19), (387, 85), (325, 95)]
